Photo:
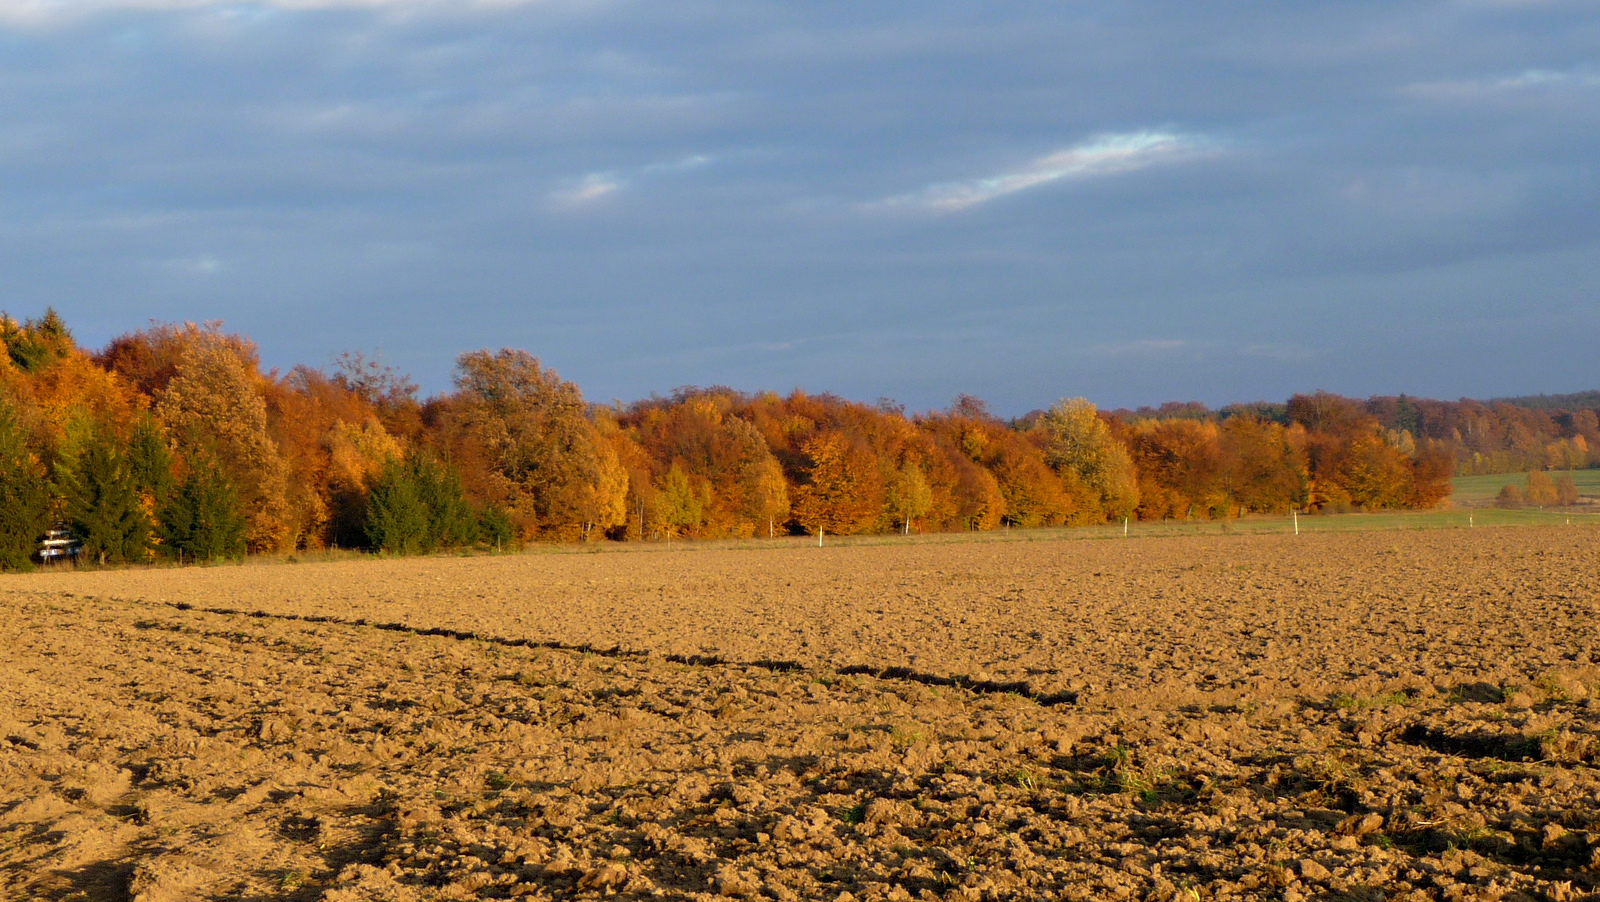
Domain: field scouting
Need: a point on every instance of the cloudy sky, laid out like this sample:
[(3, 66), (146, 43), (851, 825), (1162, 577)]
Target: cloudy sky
[(1130, 201)]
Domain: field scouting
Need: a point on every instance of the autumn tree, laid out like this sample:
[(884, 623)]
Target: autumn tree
[(639, 503), (1179, 463), (1262, 466), (908, 495), (964, 494), (766, 493), (356, 456), (1510, 496), (1373, 473), (843, 493), (73, 389), (976, 501), (1035, 495), (1031, 492), (1329, 414), (681, 502), (699, 432), (314, 418), (213, 405), (1432, 465), (1078, 441), (1355, 462), (384, 389), (1540, 491), (544, 460), (148, 359), (1566, 490)]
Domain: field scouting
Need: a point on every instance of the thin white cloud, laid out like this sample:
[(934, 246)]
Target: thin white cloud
[(201, 266), (40, 12), (1099, 156), (1141, 347), (594, 187), (1280, 352), (590, 189), (1525, 81)]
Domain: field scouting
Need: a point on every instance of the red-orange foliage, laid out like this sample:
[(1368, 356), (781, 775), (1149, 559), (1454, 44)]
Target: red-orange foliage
[(302, 449), (843, 492)]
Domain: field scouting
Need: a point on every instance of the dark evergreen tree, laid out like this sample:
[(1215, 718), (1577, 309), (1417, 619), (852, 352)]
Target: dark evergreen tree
[(397, 519), (451, 520), (417, 506), (24, 498), (496, 528), (35, 344), (101, 498), (149, 461), (201, 519)]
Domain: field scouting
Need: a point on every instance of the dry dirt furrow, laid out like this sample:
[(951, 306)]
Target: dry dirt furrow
[(1211, 620)]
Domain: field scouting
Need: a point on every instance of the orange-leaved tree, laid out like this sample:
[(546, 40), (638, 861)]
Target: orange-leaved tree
[(843, 493), (543, 458), (213, 408)]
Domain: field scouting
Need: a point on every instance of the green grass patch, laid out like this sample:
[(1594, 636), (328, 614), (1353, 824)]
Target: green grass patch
[(1469, 491)]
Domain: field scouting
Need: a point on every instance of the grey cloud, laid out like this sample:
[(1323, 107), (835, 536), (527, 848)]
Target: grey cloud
[(1360, 189)]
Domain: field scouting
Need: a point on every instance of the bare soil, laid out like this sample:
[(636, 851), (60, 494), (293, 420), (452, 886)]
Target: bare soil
[(1339, 716)]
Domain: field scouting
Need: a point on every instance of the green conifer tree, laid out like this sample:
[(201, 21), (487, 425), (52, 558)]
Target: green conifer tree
[(451, 519), (416, 506), (201, 518), (101, 498), (149, 461), (397, 519), (24, 498)]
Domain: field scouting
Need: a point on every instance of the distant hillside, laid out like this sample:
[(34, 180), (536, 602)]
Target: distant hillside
[(1576, 401), (1504, 435)]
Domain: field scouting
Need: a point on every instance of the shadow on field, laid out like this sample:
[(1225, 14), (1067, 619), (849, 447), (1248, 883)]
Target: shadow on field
[(99, 881), (982, 687), (1500, 747), (897, 673)]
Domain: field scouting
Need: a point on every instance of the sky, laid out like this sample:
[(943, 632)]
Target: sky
[(1133, 202)]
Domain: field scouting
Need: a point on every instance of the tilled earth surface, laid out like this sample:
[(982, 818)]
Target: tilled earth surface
[(1362, 716)]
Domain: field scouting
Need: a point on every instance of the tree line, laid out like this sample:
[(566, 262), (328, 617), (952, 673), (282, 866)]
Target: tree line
[(171, 442), (1511, 435)]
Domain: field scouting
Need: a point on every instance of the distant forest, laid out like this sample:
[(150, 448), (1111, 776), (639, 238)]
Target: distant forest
[(170, 442)]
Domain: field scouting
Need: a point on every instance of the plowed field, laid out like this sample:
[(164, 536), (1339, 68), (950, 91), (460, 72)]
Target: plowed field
[(1340, 716)]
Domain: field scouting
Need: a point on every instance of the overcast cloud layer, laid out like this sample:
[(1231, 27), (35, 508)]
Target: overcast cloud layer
[(1131, 201)]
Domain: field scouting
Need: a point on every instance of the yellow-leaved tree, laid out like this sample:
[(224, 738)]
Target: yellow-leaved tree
[(908, 495), (1079, 442), (213, 410), (546, 461)]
